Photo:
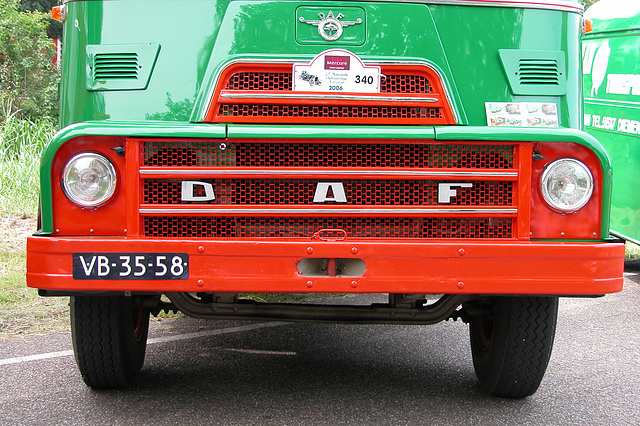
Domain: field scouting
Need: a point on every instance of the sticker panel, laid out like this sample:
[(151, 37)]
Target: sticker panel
[(522, 114)]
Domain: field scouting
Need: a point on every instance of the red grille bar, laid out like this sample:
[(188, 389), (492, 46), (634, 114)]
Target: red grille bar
[(329, 113), (301, 191), (347, 155), (357, 227)]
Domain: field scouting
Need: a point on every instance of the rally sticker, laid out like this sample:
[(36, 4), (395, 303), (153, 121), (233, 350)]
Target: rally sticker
[(336, 70), (522, 114)]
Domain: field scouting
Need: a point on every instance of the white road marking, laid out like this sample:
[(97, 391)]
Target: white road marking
[(259, 352), (165, 339), (39, 357)]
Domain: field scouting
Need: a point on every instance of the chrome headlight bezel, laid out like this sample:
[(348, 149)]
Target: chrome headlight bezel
[(563, 173), (104, 178)]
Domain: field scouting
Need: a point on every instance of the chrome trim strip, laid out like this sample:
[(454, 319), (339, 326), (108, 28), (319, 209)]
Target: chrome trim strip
[(276, 211), (327, 96), (560, 5), (333, 173)]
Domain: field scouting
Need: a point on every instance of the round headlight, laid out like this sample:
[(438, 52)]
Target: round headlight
[(567, 185), (89, 180)]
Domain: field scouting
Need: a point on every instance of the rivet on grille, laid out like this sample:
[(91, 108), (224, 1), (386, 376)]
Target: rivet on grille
[(222, 146)]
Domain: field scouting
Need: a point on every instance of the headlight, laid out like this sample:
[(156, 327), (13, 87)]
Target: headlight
[(89, 180), (567, 185)]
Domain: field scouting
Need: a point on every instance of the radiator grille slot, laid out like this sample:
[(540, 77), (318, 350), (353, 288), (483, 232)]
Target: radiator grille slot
[(301, 191), (328, 112), (305, 227), (347, 155)]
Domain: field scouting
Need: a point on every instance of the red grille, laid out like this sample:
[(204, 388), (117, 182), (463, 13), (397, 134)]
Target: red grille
[(408, 95), (301, 191), (280, 227), (280, 81), (347, 155), (327, 111), (272, 81)]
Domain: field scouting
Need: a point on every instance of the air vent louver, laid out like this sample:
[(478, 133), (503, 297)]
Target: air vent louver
[(535, 72), (538, 71), (120, 67), (107, 66)]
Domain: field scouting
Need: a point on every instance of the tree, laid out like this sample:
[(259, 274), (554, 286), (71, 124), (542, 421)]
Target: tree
[(54, 30), (588, 3), (28, 81)]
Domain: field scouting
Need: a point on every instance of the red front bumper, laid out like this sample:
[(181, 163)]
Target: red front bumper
[(553, 268)]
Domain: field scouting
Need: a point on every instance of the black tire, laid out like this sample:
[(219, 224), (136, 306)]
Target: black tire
[(511, 344), (109, 339)]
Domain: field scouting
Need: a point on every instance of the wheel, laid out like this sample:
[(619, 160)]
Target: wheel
[(511, 342), (109, 338)]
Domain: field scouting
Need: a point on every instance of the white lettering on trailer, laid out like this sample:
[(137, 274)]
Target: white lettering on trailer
[(604, 123), (623, 84), (629, 126)]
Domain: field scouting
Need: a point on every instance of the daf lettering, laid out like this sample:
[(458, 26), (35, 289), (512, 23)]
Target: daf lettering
[(330, 191), (189, 188), (446, 191)]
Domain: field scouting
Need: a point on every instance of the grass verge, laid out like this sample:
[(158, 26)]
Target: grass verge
[(21, 143), (632, 251), (22, 311)]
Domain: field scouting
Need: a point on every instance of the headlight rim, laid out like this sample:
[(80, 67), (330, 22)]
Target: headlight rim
[(544, 191), (100, 201)]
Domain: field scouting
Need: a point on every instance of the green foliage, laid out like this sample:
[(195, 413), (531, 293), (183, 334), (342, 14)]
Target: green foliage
[(38, 5), (28, 79), (588, 3), (21, 143)]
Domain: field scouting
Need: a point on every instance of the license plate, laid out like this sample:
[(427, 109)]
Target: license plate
[(130, 266)]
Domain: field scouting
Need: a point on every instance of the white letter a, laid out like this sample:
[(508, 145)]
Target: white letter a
[(330, 191)]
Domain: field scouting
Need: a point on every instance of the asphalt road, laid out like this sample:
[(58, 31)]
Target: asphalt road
[(223, 372)]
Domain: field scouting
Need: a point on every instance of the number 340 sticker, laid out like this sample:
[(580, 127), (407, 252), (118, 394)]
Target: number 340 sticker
[(336, 70), (130, 266)]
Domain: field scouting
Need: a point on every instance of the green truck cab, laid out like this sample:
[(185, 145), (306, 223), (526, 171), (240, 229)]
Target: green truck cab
[(428, 150), (612, 103)]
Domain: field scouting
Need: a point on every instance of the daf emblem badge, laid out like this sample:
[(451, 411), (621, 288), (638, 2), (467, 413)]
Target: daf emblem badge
[(330, 27)]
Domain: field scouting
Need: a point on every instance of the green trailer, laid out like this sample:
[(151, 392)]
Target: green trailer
[(611, 70)]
